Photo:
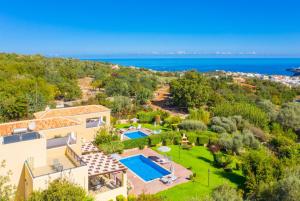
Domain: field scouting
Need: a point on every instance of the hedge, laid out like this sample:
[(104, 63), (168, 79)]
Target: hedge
[(192, 125), (134, 143), (201, 140), (112, 147), (154, 140)]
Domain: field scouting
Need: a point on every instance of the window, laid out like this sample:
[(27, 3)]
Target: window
[(95, 122)]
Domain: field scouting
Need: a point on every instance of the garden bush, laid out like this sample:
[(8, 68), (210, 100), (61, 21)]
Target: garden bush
[(221, 160), (171, 120), (103, 136), (112, 147), (192, 137), (202, 140), (135, 143), (192, 125), (154, 140), (149, 117), (199, 114), (120, 198), (172, 136), (146, 117), (248, 111)]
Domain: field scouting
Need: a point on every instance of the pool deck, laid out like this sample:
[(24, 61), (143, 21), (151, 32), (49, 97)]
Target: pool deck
[(154, 186)]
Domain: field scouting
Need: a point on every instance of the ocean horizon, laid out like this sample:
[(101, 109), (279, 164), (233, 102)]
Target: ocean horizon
[(268, 66)]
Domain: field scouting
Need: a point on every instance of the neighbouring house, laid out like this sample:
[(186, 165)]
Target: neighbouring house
[(57, 144)]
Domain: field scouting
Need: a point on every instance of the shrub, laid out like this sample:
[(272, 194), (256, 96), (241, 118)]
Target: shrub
[(135, 143), (214, 148), (199, 114), (171, 137), (131, 198), (192, 125), (154, 140), (248, 111), (258, 133), (227, 124), (218, 129), (289, 116), (112, 147), (213, 141), (192, 138), (146, 117), (201, 140), (60, 189), (120, 198), (221, 160), (167, 141), (149, 117), (173, 120), (226, 193), (103, 137)]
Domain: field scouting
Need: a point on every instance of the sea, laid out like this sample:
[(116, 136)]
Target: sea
[(267, 66)]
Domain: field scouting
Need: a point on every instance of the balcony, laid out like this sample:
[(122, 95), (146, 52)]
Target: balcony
[(95, 122), (58, 160)]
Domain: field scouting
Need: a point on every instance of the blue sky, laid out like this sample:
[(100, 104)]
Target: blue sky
[(151, 27)]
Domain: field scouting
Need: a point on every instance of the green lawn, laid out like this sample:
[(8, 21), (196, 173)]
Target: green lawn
[(200, 159)]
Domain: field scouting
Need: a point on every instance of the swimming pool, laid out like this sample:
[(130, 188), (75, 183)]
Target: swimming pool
[(144, 168), (135, 134)]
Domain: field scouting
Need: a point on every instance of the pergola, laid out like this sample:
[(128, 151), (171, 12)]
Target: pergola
[(99, 163), (102, 166), (88, 147)]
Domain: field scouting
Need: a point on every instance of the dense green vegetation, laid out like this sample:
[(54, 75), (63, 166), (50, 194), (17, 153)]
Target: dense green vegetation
[(61, 190), (247, 137), (29, 83)]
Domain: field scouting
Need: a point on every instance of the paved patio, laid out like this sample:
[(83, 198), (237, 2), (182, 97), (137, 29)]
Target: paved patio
[(155, 186)]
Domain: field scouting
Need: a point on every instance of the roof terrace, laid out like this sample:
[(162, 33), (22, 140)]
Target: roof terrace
[(58, 160)]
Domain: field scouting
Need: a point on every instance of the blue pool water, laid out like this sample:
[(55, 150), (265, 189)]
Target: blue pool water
[(145, 168), (135, 134)]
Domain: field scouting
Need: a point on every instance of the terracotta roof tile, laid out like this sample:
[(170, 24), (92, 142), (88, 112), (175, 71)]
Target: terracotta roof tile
[(41, 124), (71, 111)]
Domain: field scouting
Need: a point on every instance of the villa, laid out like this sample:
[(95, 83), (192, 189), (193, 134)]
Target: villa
[(57, 144)]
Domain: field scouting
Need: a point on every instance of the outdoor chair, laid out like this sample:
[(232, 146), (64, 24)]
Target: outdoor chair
[(166, 180)]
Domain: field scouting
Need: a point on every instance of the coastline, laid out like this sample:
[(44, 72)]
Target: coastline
[(266, 66)]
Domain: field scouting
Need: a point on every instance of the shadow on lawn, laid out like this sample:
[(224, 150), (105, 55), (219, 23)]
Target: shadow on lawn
[(233, 177), (205, 160)]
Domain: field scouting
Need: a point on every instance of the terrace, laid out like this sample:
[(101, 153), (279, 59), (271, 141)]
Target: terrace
[(138, 186), (107, 176), (58, 160)]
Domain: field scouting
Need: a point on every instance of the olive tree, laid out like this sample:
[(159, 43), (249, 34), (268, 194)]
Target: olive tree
[(6, 189), (289, 116)]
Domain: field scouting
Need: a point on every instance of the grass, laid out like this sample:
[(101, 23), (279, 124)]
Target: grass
[(199, 159)]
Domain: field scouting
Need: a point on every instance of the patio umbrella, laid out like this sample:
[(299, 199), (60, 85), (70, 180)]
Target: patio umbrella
[(172, 169), (164, 149)]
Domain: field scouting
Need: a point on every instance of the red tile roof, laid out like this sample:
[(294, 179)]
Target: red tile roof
[(40, 124), (71, 111)]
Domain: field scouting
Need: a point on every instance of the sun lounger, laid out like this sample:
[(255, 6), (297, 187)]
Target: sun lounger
[(164, 161), (154, 158), (165, 180), (173, 177)]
